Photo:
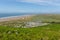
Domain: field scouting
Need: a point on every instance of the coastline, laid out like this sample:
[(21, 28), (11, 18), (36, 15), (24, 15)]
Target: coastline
[(10, 18)]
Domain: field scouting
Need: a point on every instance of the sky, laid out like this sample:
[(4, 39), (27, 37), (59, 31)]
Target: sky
[(29, 6)]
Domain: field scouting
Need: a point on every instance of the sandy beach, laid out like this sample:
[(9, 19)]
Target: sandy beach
[(14, 18)]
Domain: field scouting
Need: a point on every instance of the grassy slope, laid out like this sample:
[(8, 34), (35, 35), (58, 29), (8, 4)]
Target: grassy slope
[(48, 32), (47, 17)]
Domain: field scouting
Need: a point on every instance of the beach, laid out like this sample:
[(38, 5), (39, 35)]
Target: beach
[(14, 18)]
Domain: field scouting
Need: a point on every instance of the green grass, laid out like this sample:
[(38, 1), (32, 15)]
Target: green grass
[(48, 32), (47, 17)]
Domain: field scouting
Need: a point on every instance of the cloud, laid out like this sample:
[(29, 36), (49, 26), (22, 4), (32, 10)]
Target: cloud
[(42, 2)]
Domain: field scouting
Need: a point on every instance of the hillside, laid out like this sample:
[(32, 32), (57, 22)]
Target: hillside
[(20, 30), (31, 21), (49, 32), (47, 17)]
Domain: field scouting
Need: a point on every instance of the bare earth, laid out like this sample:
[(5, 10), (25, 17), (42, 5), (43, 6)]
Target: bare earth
[(14, 18)]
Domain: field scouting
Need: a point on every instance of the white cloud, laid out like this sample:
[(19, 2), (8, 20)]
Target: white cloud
[(42, 2)]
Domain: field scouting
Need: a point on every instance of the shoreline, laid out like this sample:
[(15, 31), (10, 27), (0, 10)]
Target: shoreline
[(10, 18)]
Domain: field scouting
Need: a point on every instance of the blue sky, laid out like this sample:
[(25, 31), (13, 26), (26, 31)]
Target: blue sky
[(29, 6)]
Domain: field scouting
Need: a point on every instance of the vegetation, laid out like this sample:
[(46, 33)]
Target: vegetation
[(48, 32), (47, 18)]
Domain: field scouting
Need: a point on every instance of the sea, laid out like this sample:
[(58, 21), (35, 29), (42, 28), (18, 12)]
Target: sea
[(2, 15)]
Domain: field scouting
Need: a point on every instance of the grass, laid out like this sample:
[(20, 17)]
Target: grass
[(47, 17), (48, 32)]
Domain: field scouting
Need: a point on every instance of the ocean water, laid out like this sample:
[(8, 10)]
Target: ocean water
[(11, 14)]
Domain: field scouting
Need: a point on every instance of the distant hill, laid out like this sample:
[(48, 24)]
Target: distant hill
[(47, 17)]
